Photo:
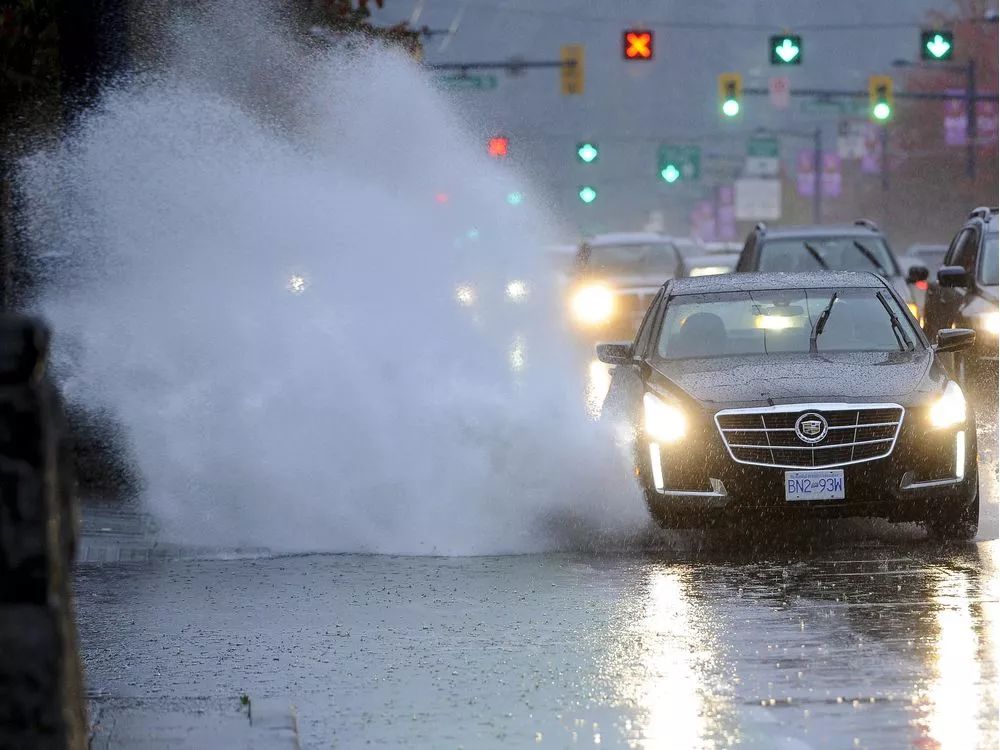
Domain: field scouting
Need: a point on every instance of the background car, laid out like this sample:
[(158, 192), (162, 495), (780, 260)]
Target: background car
[(812, 394), (709, 265), (964, 295), (928, 256), (854, 247), (616, 277)]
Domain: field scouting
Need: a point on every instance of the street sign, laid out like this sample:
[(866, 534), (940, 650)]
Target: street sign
[(571, 76), (757, 199), (762, 157), (780, 89), (786, 49), (851, 139), (486, 82), (679, 163), (830, 175), (936, 44)]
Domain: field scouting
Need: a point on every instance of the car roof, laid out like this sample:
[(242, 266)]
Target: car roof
[(824, 230), (759, 281), (628, 238)]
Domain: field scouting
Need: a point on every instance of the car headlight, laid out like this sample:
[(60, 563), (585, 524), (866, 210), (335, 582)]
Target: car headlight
[(949, 409), (914, 310), (593, 304), (517, 290), (297, 283), (987, 322), (663, 422), (709, 270)]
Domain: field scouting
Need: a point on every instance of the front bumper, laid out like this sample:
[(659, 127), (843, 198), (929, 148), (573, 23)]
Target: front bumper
[(916, 481)]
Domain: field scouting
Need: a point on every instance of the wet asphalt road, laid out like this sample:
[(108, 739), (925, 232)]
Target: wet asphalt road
[(855, 635)]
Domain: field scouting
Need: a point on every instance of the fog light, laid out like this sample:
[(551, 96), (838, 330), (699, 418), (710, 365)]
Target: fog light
[(654, 460), (960, 455)]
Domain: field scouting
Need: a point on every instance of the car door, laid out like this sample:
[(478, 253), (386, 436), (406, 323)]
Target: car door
[(625, 391)]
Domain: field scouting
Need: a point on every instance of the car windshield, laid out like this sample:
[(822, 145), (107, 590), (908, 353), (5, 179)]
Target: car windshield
[(658, 257), (851, 253), (989, 268), (768, 322)]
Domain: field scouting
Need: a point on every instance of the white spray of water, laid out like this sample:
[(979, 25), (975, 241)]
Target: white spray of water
[(368, 411)]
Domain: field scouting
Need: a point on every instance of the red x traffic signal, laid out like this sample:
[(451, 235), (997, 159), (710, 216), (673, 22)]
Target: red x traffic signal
[(637, 44)]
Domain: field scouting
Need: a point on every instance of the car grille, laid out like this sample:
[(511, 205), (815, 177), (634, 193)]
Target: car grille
[(767, 436)]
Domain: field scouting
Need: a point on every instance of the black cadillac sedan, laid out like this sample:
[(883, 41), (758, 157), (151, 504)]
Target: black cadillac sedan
[(759, 394)]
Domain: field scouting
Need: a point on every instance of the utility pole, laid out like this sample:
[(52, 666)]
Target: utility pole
[(971, 126), (818, 175), (884, 155)]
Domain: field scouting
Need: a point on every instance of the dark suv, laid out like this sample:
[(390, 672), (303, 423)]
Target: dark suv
[(860, 246), (965, 296)]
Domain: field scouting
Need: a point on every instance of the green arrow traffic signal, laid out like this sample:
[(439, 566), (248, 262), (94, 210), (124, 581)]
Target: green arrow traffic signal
[(786, 50), (936, 45), (670, 173), (587, 194), (587, 152)]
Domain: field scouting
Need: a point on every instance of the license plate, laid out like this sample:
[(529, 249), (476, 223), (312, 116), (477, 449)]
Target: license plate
[(814, 485)]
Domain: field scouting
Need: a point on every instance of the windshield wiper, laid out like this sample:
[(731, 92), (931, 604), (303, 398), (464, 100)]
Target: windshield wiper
[(821, 323), (871, 258), (816, 256), (897, 326)]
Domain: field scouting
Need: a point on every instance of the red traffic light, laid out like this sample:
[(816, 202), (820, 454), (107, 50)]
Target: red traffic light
[(497, 147), (637, 44)]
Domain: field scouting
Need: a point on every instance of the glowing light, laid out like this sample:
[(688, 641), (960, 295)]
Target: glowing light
[(593, 304), (465, 294), (881, 111), (638, 44), (914, 310), (989, 322), (297, 284), (441, 197), (586, 152), (730, 108), (950, 408), (709, 270), (498, 146), (921, 285), (775, 322), (663, 422), (960, 455), (587, 194), (670, 173), (656, 465), (515, 198), (517, 290)]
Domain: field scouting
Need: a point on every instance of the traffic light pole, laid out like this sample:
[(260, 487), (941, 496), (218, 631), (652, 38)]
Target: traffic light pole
[(818, 175), (971, 125)]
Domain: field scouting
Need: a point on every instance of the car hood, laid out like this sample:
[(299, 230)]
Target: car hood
[(903, 377)]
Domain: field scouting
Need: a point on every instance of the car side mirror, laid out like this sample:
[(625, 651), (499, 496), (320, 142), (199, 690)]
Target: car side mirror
[(917, 272), (954, 276), (615, 354), (955, 339)]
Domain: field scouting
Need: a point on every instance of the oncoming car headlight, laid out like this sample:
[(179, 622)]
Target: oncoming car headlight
[(593, 304), (709, 270), (663, 422), (465, 295), (987, 322), (949, 410)]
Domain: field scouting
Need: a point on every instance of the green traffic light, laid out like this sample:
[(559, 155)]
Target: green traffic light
[(515, 198), (786, 50), (587, 194), (587, 152), (881, 111), (730, 108), (936, 45), (670, 173)]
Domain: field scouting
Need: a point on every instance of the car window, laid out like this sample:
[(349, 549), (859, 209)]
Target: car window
[(961, 249), (660, 257), (769, 322), (855, 253), (646, 328), (988, 266)]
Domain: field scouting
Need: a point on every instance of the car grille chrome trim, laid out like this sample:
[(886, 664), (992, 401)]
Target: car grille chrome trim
[(828, 453)]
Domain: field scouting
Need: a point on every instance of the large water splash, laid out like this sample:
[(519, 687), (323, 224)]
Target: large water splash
[(264, 244)]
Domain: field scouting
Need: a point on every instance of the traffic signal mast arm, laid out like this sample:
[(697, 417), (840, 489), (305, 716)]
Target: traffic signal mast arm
[(846, 94)]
